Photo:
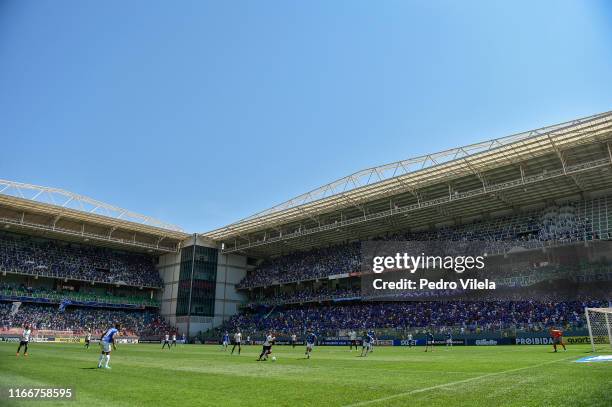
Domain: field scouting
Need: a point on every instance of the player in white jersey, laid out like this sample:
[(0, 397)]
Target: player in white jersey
[(237, 341), (353, 339), (174, 339), (87, 339), (24, 340), (166, 341), (293, 340), (409, 338), (373, 341), (106, 342), (267, 347)]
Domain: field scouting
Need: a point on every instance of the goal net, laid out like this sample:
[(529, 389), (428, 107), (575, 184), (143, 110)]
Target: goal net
[(599, 322)]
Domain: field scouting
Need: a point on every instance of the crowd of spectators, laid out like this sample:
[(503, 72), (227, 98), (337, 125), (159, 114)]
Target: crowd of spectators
[(22, 290), (55, 259), (305, 295), (67, 261), (309, 265), (500, 235), (520, 281), (468, 317), (80, 320)]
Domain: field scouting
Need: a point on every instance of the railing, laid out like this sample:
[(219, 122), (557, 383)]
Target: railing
[(58, 297), (457, 331), (51, 274), (83, 234)]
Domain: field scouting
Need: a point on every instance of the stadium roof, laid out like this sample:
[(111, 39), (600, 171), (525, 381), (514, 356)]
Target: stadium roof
[(57, 210), (546, 146)]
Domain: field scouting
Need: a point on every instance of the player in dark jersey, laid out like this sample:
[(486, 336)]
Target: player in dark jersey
[(226, 341), (366, 344), (106, 343), (429, 341), (311, 340), (373, 335)]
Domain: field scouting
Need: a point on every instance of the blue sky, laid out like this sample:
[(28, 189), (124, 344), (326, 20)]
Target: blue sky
[(200, 113)]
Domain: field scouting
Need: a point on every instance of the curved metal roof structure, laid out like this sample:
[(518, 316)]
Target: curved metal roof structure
[(384, 172), (413, 174), (69, 200), (510, 172)]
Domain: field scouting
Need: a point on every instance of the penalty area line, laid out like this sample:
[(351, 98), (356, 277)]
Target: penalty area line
[(442, 385)]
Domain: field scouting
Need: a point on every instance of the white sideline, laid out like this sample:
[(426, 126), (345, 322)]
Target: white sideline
[(438, 386)]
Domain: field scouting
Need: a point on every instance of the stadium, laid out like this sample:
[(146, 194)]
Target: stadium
[(71, 266)]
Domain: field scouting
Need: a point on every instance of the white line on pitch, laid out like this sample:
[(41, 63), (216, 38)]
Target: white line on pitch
[(438, 386)]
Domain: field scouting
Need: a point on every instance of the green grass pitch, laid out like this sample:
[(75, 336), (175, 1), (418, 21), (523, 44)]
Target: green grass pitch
[(197, 375)]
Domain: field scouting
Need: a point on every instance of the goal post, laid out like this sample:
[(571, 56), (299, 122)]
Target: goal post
[(599, 323)]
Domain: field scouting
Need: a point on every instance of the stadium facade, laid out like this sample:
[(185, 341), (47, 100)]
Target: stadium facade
[(203, 274)]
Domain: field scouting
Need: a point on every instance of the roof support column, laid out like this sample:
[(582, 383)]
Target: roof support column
[(55, 220), (559, 154), (195, 241)]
